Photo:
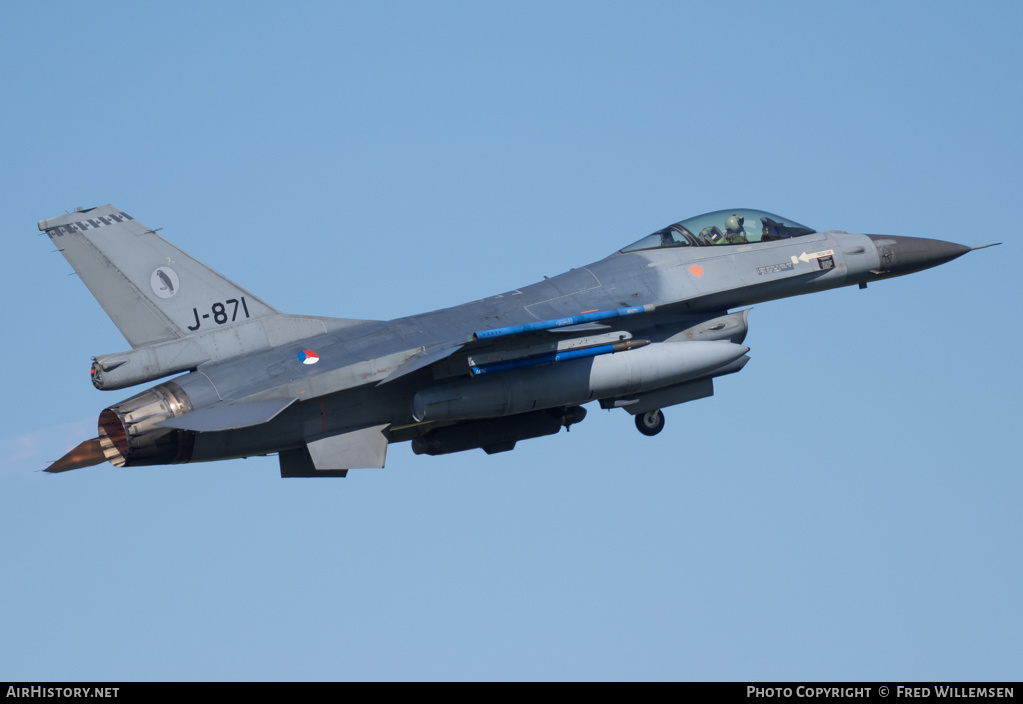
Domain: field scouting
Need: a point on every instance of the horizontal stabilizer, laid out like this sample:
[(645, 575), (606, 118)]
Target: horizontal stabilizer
[(298, 463), (333, 455), (365, 448), (229, 416)]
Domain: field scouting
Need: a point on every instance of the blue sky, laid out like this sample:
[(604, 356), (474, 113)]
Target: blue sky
[(845, 508)]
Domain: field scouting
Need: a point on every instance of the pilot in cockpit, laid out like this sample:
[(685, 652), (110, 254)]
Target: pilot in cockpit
[(734, 232)]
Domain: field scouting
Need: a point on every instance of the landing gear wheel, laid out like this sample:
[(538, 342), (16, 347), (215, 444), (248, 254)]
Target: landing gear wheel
[(650, 423)]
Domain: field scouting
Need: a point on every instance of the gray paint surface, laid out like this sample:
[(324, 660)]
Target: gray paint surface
[(336, 391)]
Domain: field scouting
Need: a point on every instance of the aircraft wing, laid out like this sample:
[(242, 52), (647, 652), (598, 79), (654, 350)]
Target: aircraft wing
[(422, 359), (539, 341), (339, 371)]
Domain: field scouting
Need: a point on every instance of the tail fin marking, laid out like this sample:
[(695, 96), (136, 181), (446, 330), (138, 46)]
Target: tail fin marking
[(152, 291)]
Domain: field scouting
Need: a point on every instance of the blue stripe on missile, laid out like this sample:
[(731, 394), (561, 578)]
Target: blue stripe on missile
[(542, 359), (560, 322)]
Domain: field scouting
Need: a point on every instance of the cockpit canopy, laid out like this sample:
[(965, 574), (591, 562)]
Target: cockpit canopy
[(722, 227)]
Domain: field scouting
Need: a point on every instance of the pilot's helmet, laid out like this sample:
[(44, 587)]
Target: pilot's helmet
[(733, 223)]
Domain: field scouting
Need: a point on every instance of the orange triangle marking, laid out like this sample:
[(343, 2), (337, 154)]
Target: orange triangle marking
[(696, 271)]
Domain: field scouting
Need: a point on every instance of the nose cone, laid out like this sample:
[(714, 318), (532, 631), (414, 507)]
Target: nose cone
[(905, 255)]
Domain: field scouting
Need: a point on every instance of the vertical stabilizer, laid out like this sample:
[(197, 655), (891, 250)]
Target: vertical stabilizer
[(152, 290)]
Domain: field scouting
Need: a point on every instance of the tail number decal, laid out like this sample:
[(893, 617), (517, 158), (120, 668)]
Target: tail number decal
[(219, 312)]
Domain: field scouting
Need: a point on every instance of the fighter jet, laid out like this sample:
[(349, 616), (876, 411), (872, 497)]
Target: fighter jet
[(648, 327)]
